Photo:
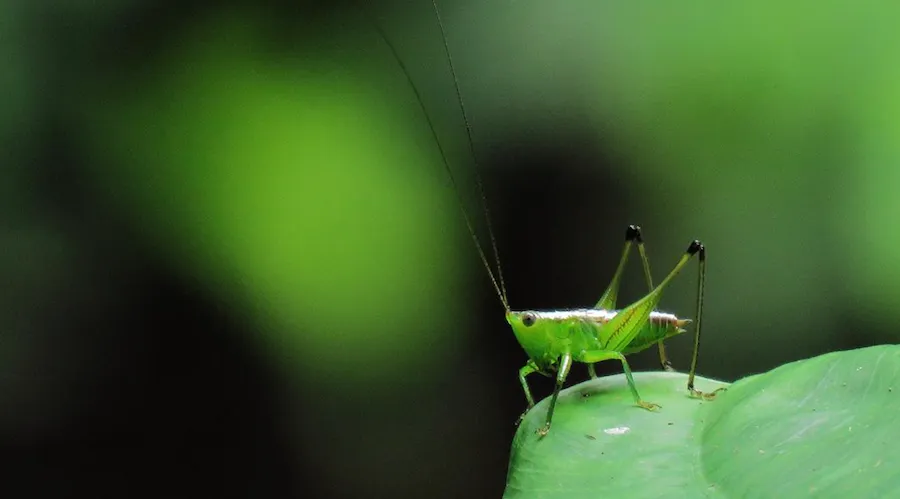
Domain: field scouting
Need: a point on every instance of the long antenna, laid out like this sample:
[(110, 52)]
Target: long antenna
[(501, 291), (459, 98)]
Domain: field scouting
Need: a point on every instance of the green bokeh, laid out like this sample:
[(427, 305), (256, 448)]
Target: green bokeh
[(296, 190)]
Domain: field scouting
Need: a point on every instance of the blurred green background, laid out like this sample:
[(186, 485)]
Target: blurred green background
[(233, 264)]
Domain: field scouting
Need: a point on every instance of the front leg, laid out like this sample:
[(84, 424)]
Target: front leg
[(565, 364), (527, 369)]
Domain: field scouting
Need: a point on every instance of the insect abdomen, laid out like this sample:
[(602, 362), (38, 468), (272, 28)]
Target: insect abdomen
[(659, 326)]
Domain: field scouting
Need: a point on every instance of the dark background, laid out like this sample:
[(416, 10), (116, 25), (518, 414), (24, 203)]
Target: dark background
[(233, 265)]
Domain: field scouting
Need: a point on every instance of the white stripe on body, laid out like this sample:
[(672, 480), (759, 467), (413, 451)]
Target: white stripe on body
[(598, 315)]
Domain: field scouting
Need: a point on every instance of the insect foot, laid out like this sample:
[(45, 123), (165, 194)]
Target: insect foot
[(650, 406), (543, 430), (706, 396)]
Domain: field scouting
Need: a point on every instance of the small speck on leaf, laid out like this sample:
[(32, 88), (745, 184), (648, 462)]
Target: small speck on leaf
[(591, 437)]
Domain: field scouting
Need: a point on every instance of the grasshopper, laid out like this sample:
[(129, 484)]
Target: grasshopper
[(554, 339)]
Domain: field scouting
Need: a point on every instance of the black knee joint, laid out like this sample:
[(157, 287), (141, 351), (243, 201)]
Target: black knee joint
[(697, 247), (633, 233)]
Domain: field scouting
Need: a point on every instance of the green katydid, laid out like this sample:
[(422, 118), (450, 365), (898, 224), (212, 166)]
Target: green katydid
[(554, 339)]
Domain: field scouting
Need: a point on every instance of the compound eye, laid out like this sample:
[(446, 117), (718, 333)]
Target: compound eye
[(528, 319)]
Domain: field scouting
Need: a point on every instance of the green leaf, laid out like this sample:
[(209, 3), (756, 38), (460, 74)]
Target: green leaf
[(822, 427)]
